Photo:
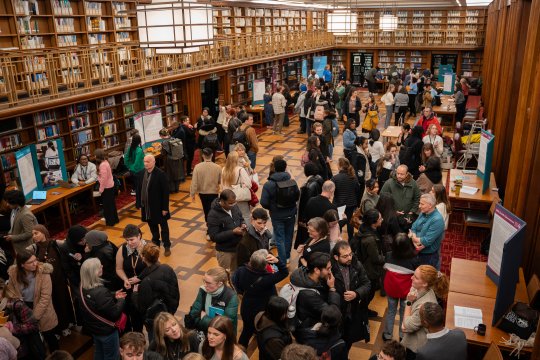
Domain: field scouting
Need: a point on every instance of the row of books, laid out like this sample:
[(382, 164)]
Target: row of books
[(8, 160), (92, 8), (10, 142), (97, 38), (109, 142), (27, 26), (82, 137), (85, 149), (79, 108), (106, 101), (108, 129), (33, 64), (95, 24), (65, 24), (67, 40), (107, 115), (62, 7), (44, 117), (47, 132), (80, 122), (25, 7), (32, 42)]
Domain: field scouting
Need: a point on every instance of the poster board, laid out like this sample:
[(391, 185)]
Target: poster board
[(304, 69), (52, 165), (448, 84), (319, 62), (149, 123), (504, 259), (259, 86), (26, 164), (485, 156), (444, 70)]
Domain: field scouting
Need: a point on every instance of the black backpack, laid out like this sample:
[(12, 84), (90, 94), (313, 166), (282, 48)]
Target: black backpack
[(211, 141), (287, 193), (240, 137)]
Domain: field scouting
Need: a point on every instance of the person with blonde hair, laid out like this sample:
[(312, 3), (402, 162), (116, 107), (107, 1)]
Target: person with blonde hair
[(172, 340), (428, 284), (243, 159), (215, 298), (235, 174)]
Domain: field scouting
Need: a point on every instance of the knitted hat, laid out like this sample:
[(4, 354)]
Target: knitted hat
[(76, 234), (95, 237)]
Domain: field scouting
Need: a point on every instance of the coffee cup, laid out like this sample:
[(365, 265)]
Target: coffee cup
[(457, 189), (480, 329)]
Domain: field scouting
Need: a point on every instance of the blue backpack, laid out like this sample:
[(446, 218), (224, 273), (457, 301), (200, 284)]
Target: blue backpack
[(335, 127)]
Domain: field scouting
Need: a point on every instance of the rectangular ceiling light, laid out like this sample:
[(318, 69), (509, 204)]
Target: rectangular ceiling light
[(478, 2), (342, 22)]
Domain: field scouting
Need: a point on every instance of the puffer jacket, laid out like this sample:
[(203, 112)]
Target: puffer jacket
[(367, 246), (269, 197), (43, 306), (271, 338), (102, 302), (347, 190), (406, 196), (226, 300), (159, 281), (221, 225), (311, 188)]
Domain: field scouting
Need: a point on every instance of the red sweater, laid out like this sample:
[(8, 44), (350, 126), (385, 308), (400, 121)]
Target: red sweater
[(397, 281)]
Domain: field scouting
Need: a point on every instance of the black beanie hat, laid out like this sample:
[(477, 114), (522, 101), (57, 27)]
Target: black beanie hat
[(75, 234)]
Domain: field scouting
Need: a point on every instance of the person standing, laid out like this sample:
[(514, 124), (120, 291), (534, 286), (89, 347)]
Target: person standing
[(172, 152), (388, 100), (256, 237), (189, 142), (427, 232), (106, 188), (155, 202), (327, 74), (347, 191), (251, 137), (133, 159), (22, 220), (268, 108), (342, 73), (279, 104), (205, 181)]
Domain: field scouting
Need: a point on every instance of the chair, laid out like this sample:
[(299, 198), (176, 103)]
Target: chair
[(493, 353), (533, 291), (478, 218), (472, 150)]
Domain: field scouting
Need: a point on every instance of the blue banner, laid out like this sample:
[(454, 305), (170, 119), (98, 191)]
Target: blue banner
[(319, 62)]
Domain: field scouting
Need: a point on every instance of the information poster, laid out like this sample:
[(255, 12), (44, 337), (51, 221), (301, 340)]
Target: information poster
[(485, 156), (304, 69), (149, 123), (259, 86), (27, 171), (319, 62), (52, 166), (445, 70), (448, 85)]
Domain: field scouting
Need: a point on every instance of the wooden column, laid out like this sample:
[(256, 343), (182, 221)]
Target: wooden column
[(191, 93)]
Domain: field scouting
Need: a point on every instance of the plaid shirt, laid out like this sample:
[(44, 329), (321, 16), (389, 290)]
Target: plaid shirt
[(22, 317)]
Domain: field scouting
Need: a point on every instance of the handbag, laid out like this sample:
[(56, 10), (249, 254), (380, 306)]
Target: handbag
[(120, 324), (243, 193), (254, 199), (520, 320), (157, 307)]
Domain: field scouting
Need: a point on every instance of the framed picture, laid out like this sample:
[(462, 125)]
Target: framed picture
[(357, 59)]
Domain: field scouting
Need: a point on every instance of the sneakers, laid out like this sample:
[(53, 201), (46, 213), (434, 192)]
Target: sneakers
[(133, 193), (167, 251)]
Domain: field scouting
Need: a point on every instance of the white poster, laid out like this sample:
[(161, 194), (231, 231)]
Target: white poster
[(149, 123), (258, 91), (505, 226), (25, 164), (448, 86)]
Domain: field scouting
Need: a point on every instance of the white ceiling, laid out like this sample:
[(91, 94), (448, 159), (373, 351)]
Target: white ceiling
[(376, 3)]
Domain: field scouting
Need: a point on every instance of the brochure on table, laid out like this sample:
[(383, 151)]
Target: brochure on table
[(259, 87), (485, 156), (504, 259), (41, 166), (149, 123), (319, 63)]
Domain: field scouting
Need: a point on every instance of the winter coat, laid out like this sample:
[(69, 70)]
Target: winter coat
[(221, 225), (347, 190), (317, 206), (159, 281), (21, 231), (332, 344), (72, 267), (158, 197), (227, 300), (348, 140), (43, 306), (251, 241), (310, 189), (355, 317), (413, 154), (271, 338), (106, 253), (310, 303), (368, 247), (269, 197), (415, 335), (429, 228), (317, 157), (360, 163), (406, 196), (101, 301)]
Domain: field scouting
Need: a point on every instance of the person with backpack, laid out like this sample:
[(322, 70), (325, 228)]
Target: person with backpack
[(249, 140), (330, 131), (257, 281), (273, 334), (188, 140), (279, 196), (310, 189), (310, 291), (207, 130), (172, 152)]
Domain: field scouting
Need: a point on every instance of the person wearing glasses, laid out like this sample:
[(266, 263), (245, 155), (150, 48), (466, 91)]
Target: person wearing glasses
[(391, 350), (353, 285)]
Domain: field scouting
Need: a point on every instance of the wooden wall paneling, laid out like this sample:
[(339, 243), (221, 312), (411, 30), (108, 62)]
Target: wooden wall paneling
[(191, 93)]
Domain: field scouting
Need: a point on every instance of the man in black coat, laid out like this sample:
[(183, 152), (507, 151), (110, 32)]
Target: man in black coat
[(256, 237), (318, 205), (226, 227), (154, 190), (353, 285)]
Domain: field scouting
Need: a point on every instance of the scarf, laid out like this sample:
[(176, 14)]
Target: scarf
[(208, 300), (144, 193)]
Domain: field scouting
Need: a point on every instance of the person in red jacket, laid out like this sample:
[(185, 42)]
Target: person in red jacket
[(400, 265), (428, 118)]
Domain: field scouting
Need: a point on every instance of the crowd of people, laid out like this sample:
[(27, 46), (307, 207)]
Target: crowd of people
[(376, 224)]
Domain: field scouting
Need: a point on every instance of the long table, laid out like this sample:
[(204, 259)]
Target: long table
[(447, 108), (474, 181)]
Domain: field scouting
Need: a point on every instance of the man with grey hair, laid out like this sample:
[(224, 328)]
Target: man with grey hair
[(404, 191), (427, 232), (257, 282), (318, 205)]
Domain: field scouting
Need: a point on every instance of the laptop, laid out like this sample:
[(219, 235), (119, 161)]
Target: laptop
[(38, 197), (66, 184)]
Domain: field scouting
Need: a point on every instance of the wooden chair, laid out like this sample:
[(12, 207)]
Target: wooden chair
[(533, 291), (478, 218), (493, 353)]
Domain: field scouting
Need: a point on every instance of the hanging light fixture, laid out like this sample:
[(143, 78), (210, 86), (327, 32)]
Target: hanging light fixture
[(180, 26), (342, 22), (388, 22)]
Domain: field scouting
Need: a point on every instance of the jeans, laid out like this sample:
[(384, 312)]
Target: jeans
[(252, 159), (283, 234), (278, 122), (389, 112), (330, 150), (206, 200), (107, 347), (391, 316), (308, 127), (154, 228), (432, 259)]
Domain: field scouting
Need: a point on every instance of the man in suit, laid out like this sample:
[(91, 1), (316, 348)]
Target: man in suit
[(154, 192), (442, 343), (22, 220)]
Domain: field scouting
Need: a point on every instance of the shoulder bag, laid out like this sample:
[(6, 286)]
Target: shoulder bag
[(120, 324), (242, 192)]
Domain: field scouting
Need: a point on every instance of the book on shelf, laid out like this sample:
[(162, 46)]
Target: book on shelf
[(108, 129), (82, 137), (61, 7), (85, 149), (8, 160), (107, 115), (37, 81), (92, 8), (44, 117), (48, 131), (152, 103), (95, 39), (79, 108), (65, 24), (34, 64), (151, 91), (67, 40), (110, 141), (170, 98), (10, 142), (129, 110), (118, 7), (130, 123), (32, 42), (11, 176), (80, 122), (69, 60), (106, 102)]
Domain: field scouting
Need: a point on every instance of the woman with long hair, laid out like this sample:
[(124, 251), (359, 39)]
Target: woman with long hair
[(428, 284), (354, 105), (391, 224), (331, 216), (316, 156), (309, 100), (443, 204), (134, 161), (99, 304), (431, 175), (106, 188), (215, 293), (243, 159), (30, 281), (235, 174), (273, 333), (317, 242), (171, 340), (400, 265), (427, 152), (432, 137), (372, 115), (376, 149), (347, 191), (220, 343), (413, 151), (47, 250)]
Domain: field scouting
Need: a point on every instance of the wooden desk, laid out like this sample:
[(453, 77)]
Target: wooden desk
[(447, 108), (52, 199), (384, 86), (486, 305), (74, 192), (469, 277), (474, 181), (392, 132), (257, 110)]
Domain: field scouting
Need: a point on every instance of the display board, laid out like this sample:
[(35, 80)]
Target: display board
[(27, 170), (485, 156), (304, 68), (52, 165), (445, 70), (259, 86), (448, 84), (149, 123), (319, 63)]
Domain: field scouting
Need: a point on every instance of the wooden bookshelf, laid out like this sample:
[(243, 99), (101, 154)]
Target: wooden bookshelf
[(338, 58), (471, 64), (403, 59)]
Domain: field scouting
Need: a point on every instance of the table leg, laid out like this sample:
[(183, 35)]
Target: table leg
[(64, 212)]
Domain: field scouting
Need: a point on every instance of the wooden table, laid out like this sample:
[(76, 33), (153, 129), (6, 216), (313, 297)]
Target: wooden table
[(76, 191), (257, 110), (469, 277), (392, 132), (384, 86), (474, 181), (447, 108)]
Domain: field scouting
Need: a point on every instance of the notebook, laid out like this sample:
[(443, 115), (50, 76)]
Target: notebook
[(214, 311), (38, 197)]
